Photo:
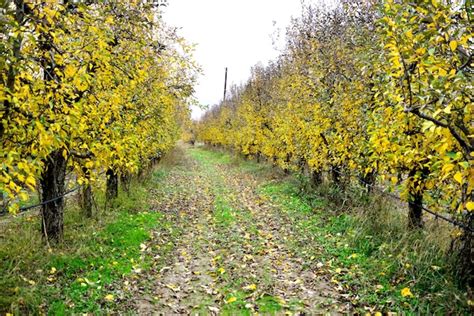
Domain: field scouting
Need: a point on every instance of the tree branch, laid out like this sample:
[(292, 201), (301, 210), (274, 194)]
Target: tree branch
[(465, 146)]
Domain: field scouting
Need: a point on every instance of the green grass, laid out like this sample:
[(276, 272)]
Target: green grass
[(210, 158), (370, 253), (223, 212), (76, 276)]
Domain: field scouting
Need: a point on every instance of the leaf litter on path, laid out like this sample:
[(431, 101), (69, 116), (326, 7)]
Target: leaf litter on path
[(232, 255)]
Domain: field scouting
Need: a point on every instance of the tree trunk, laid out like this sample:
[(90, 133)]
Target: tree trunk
[(415, 202), (86, 196), (52, 188), (316, 178), (465, 253), (463, 246), (336, 176), (112, 185), (125, 180), (415, 210), (368, 181), (286, 170)]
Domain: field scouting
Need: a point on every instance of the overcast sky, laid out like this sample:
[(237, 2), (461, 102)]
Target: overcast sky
[(229, 33)]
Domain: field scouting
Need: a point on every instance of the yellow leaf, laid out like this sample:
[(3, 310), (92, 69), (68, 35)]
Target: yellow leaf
[(406, 292), (31, 181), (448, 167), (231, 300), (23, 196), (251, 287), (470, 206), (109, 298), (69, 71), (453, 45), (458, 177)]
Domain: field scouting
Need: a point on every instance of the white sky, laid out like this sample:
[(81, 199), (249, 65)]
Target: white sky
[(229, 33)]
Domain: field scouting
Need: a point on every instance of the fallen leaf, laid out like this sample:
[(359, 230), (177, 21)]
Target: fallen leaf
[(251, 287), (109, 297), (406, 292), (231, 300)]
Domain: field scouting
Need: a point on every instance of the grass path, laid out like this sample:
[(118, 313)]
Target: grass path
[(234, 253)]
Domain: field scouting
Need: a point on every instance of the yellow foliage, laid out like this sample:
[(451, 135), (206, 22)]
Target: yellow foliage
[(88, 90), (386, 100)]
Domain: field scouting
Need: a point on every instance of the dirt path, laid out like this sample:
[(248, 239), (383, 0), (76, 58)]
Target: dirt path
[(233, 254)]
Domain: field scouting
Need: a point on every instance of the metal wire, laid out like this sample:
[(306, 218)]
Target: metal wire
[(394, 196), (30, 207)]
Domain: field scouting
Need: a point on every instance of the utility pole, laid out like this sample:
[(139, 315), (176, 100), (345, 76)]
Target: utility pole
[(225, 84)]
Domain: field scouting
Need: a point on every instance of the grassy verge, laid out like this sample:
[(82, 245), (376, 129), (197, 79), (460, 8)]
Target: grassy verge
[(77, 276), (364, 245), (370, 254)]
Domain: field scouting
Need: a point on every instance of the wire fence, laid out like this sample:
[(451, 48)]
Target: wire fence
[(30, 207), (396, 197), (382, 191), (24, 209)]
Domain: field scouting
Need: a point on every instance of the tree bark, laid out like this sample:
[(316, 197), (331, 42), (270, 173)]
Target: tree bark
[(316, 178), (111, 185), (335, 173), (465, 253), (368, 182), (286, 170), (415, 202), (86, 196), (125, 180), (463, 246), (52, 188), (415, 210)]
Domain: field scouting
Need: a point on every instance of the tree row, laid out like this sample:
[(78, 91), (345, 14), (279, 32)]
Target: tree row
[(86, 88)]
